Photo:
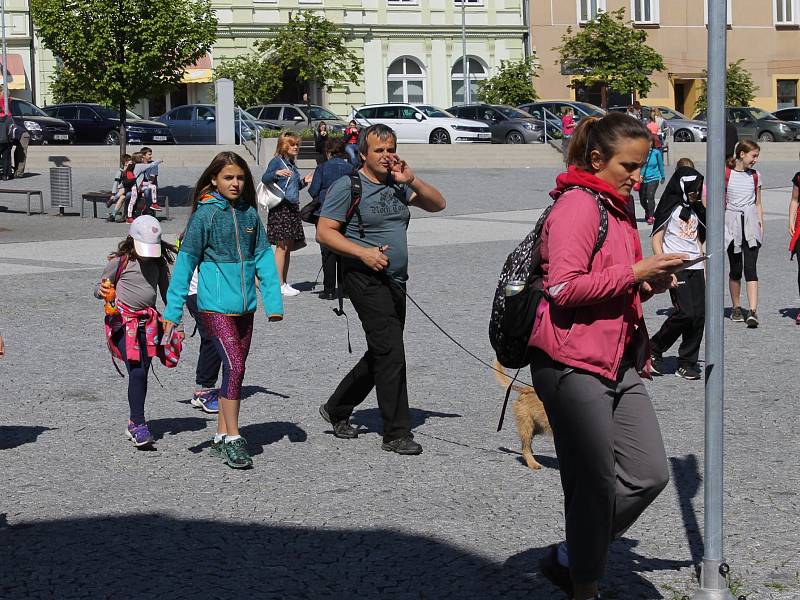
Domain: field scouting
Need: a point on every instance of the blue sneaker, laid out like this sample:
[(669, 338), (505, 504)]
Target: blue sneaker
[(140, 435), (207, 401)]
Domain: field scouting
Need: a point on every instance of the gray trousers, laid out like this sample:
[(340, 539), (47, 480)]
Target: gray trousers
[(610, 455)]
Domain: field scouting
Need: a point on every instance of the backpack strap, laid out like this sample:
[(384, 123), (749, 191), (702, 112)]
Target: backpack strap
[(355, 201), (123, 262), (602, 229)]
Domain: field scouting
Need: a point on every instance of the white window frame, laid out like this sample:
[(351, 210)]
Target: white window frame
[(730, 13), (406, 77), (601, 7), (655, 12), (471, 77), (468, 2), (792, 6), (402, 2)]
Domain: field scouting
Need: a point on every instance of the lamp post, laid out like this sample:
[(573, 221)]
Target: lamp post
[(5, 57), (464, 60)]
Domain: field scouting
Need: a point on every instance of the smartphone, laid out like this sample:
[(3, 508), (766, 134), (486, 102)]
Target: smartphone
[(694, 261)]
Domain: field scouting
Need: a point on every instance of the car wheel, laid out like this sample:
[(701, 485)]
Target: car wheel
[(112, 138), (439, 136), (766, 136), (515, 137), (683, 135)]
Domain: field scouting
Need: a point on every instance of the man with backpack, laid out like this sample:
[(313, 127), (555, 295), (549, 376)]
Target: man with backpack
[(364, 220)]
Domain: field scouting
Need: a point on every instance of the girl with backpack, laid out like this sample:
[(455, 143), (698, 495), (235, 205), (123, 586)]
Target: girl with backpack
[(744, 228), (652, 177), (794, 229), (590, 349), (226, 242), (135, 272)]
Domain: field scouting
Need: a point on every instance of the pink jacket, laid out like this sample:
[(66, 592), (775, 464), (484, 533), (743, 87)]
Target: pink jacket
[(594, 310)]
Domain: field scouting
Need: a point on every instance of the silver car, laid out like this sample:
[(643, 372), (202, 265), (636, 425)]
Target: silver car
[(295, 117), (682, 127), (508, 125)]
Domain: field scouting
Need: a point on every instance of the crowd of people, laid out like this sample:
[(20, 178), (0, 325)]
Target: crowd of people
[(590, 345)]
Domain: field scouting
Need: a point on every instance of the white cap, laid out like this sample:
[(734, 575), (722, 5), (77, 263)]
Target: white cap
[(146, 234)]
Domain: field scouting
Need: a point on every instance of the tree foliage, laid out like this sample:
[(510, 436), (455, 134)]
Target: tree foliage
[(739, 87), (608, 52), (315, 48), (119, 51), (255, 80), (512, 85), (65, 87)]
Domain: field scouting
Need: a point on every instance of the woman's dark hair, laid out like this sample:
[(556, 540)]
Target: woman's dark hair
[(319, 126), (220, 161), (604, 135), (744, 146), (126, 248), (334, 146)]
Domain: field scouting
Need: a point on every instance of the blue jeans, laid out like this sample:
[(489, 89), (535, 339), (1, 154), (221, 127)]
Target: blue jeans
[(352, 153)]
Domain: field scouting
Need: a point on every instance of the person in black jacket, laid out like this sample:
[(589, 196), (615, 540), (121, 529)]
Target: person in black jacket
[(335, 167), (320, 137)]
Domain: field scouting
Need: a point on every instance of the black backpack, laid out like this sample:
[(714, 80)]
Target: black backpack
[(513, 315)]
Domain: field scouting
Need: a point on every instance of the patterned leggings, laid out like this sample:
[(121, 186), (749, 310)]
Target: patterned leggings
[(231, 336)]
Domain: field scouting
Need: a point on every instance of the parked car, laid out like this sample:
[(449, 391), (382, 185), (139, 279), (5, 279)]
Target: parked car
[(42, 128), (96, 124), (413, 126), (754, 123), (790, 115), (295, 116), (551, 111), (196, 124), (682, 127), (508, 125)]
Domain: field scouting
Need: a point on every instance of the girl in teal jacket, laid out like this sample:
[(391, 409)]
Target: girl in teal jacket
[(652, 176), (225, 240)]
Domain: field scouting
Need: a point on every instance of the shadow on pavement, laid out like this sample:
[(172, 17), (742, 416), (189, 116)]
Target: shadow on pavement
[(370, 418), (179, 195), (161, 427), (789, 313), (12, 436), (259, 435), (686, 478), (94, 558), (548, 462), (252, 390)]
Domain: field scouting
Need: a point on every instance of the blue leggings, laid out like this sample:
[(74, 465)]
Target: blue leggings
[(137, 374)]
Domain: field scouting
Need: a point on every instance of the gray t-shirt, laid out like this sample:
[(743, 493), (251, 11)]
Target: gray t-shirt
[(385, 214)]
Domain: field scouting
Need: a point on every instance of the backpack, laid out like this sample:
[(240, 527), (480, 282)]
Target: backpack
[(514, 314)]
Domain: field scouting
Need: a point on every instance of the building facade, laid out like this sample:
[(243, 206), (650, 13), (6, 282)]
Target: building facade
[(765, 33)]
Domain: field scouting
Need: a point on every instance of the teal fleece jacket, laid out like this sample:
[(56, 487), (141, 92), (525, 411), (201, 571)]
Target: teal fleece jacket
[(229, 247)]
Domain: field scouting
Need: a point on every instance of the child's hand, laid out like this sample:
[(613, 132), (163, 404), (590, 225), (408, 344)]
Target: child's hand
[(308, 178), (106, 287)]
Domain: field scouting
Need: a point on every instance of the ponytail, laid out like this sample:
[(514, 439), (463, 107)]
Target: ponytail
[(604, 135)]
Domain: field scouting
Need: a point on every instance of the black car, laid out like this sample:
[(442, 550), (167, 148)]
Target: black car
[(96, 124), (42, 128)]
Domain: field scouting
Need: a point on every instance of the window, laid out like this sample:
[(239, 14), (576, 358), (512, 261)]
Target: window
[(406, 81), (386, 112), (69, 113), (645, 12), (366, 113), (787, 93), (290, 114), (411, 2), (406, 112), (24, 109), (476, 71), (786, 12), (184, 113), (270, 112), (86, 114), (588, 9), (204, 113), (468, 2)]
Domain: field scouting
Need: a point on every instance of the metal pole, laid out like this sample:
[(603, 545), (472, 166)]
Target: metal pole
[(712, 581), (5, 57), (464, 63)]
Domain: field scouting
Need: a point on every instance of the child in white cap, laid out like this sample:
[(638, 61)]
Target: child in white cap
[(134, 273)]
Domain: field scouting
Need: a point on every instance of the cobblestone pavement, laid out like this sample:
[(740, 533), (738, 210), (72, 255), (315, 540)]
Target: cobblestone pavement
[(84, 515)]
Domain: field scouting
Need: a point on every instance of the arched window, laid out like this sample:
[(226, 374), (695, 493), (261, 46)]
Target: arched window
[(476, 71), (405, 81)]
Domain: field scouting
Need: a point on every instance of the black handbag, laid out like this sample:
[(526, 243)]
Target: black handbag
[(307, 212)]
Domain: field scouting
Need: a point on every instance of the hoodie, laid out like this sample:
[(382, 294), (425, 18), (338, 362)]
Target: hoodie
[(683, 182), (229, 247), (594, 313)]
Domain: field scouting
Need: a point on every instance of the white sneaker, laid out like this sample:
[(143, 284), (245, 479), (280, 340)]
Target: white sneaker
[(288, 290)]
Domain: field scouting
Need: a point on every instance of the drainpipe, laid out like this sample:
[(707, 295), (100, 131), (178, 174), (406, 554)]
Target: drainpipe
[(527, 36), (34, 99)]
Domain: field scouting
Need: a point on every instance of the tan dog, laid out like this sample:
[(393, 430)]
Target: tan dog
[(529, 413)]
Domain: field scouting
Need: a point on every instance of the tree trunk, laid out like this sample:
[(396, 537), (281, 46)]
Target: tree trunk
[(604, 96)]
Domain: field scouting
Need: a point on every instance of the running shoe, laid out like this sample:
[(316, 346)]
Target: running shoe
[(236, 455), (156, 207), (288, 290), (207, 401), (140, 435), (752, 320), (656, 362), (797, 318), (737, 316), (692, 373), (216, 448), (129, 220)]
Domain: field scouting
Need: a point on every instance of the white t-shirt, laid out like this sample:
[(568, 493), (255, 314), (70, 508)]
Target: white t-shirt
[(681, 236), (741, 191), (193, 283)]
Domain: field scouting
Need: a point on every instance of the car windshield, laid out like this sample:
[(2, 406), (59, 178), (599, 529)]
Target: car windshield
[(670, 114), (110, 113), (433, 111), (762, 114), (322, 114), (512, 113)]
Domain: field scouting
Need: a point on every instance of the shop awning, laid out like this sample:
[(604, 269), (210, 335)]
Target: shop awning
[(15, 72), (199, 72)]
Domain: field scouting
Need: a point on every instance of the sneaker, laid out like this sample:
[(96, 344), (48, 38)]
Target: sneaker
[(207, 401), (156, 207), (111, 218), (650, 220), (797, 318), (752, 320), (656, 362), (236, 455), (216, 448), (691, 373), (554, 571), (129, 220), (405, 445), (737, 316), (341, 429), (288, 290), (120, 218), (140, 435), (327, 295)]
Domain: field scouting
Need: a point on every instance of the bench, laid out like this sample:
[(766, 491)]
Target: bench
[(28, 193), (103, 196)]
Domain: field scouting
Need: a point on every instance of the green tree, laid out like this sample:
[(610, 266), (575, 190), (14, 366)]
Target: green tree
[(610, 53), (119, 51), (512, 85), (740, 89), (315, 49), (255, 80), (65, 87)]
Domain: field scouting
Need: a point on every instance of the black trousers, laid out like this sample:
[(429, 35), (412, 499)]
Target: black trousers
[(5, 159), (328, 269), (381, 306), (689, 298), (647, 197), (208, 363)]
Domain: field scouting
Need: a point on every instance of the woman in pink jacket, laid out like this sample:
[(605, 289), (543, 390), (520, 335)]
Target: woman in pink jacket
[(590, 346)]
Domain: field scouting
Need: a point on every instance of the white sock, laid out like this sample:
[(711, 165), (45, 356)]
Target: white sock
[(563, 557), (218, 437), (232, 438)]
